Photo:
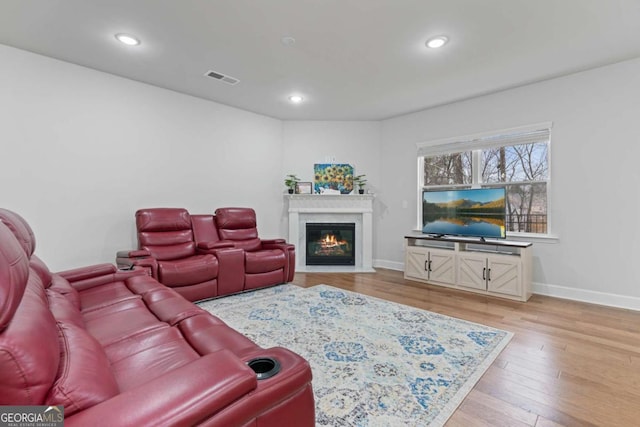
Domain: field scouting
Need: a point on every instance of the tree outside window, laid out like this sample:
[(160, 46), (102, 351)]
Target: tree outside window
[(448, 169), (524, 169)]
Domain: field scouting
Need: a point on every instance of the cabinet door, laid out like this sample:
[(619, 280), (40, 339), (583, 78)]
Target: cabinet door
[(442, 266), (416, 263), (472, 271), (504, 276)]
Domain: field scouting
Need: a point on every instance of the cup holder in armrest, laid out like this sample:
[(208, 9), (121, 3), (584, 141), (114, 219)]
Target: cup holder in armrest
[(264, 367)]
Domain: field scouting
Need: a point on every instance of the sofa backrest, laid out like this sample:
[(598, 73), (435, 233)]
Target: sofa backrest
[(14, 271), (238, 225), (29, 352), (47, 357), (165, 232), (25, 236), (21, 230), (204, 229)]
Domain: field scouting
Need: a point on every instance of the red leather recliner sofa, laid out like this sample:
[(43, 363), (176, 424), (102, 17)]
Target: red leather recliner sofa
[(118, 348), (206, 256)]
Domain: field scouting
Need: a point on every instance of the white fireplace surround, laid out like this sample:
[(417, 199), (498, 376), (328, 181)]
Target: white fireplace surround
[(326, 208)]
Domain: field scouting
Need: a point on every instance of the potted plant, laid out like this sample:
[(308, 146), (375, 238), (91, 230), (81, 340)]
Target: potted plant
[(360, 181), (291, 181)]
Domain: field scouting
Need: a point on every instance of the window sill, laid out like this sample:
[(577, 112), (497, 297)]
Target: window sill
[(534, 238)]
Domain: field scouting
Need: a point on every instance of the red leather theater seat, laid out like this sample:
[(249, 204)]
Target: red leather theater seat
[(267, 262), (206, 256)]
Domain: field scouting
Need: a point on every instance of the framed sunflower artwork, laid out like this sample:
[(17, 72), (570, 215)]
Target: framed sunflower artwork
[(332, 177)]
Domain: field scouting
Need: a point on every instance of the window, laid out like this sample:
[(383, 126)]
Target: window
[(517, 159)]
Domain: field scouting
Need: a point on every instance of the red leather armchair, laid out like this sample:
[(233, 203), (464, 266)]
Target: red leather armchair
[(168, 250), (266, 262)]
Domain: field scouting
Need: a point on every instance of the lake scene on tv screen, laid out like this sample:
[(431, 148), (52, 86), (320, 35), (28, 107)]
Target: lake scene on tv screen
[(471, 212)]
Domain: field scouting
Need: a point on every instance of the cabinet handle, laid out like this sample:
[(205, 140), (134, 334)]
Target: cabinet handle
[(430, 266), (484, 273), (489, 274), (426, 265)]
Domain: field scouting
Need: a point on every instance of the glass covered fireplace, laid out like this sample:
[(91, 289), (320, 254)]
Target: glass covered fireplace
[(330, 243)]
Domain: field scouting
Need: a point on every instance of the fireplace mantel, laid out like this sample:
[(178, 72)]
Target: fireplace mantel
[(356, 208)]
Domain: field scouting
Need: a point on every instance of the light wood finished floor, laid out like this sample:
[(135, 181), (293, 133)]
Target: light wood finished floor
[(569, 363)]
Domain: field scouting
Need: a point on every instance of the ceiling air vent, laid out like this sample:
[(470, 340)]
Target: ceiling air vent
[(222, 77)]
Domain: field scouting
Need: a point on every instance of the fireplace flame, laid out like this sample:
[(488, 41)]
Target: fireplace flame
[(330, 241)]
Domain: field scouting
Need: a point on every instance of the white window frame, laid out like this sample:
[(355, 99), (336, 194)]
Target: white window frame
[(474, 143)]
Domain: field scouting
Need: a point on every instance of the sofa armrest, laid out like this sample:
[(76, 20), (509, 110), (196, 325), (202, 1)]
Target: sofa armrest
[(104, 279), (231, 270), (277, 244), (209, 246), (289, 251), (188, 395), (83, 273), (272, 241), (136, 253), (137, 258)]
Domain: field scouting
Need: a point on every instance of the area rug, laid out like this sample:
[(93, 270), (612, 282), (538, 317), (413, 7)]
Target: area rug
[(374, 362)]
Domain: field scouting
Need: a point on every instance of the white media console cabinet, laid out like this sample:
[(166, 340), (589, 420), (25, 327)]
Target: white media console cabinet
[(492, 267)]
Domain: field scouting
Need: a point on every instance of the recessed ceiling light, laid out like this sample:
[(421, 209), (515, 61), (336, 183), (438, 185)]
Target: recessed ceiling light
[(296, 99), (127, 39), (288, 41), (437, 42)]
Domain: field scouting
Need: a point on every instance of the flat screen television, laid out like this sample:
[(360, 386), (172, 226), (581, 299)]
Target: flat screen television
[(476, 212)]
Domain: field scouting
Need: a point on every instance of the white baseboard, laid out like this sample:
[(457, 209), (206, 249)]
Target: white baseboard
[(390, 265), (574, 294), (583, 295)]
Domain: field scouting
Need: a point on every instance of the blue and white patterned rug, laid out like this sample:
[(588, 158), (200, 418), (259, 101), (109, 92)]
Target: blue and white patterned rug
[(374, 362)]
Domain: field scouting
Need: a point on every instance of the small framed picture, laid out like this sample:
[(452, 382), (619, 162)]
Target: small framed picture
[(304, 188)]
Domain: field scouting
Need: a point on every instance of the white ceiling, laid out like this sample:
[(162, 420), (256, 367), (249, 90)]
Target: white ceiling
[(352, 60)]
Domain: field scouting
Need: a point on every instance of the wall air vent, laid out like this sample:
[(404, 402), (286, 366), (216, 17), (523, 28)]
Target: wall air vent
[(222, 77)]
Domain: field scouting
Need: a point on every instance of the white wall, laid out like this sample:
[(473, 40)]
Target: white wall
[(308, 142), (81, 150), (594, 195)]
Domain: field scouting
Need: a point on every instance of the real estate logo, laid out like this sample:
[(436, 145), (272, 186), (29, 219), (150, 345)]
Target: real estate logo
[(32, 416)]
